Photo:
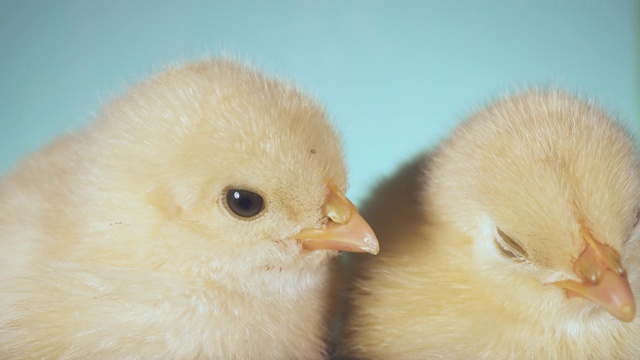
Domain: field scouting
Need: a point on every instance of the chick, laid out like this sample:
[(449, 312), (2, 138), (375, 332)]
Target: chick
[(516, 238), (194, 219)]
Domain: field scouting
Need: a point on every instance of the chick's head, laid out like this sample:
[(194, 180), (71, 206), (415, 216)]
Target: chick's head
[(548, 188), (246, 172)]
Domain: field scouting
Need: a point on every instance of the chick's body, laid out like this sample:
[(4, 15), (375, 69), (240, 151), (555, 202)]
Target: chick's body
[(119, 242), (493, 230)]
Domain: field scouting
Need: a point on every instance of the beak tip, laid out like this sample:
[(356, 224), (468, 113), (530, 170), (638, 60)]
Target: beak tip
[(372, 251), (372, 246), (627, 313)]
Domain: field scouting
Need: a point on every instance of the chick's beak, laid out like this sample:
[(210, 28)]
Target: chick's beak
[(603, 280), (346, 229)]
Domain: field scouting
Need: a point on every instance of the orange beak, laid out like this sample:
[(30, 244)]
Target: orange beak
[(346, 230), (603, 280)]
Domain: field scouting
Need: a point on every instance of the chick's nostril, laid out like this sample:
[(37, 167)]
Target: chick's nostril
[(337, 209), (588, 270), (340, 217), (612, 259)]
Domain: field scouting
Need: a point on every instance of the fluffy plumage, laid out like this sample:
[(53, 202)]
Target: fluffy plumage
[(494, 241), (118, 241)]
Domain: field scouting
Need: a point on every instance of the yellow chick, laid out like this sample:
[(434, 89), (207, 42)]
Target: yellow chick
[(517, 238), (194, 219)]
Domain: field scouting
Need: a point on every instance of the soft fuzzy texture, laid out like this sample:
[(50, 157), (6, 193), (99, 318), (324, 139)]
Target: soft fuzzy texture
[(537, 165), (116, 243)]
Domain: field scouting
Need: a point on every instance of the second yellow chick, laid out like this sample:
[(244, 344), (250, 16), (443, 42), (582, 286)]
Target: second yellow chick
[(517, 238)]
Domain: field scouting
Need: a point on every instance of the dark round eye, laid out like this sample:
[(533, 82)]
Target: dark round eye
[(244, 203)]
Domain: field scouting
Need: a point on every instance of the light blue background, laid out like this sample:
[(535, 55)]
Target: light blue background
[(395, 76)]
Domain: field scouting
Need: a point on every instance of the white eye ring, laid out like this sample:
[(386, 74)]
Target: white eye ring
[(509, 247)]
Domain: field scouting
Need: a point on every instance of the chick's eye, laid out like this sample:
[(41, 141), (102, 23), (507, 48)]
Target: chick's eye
[(510, 247), (244, 203), (637, 220)]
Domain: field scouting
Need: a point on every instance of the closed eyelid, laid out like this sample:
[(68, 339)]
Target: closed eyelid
[(515, 250)]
